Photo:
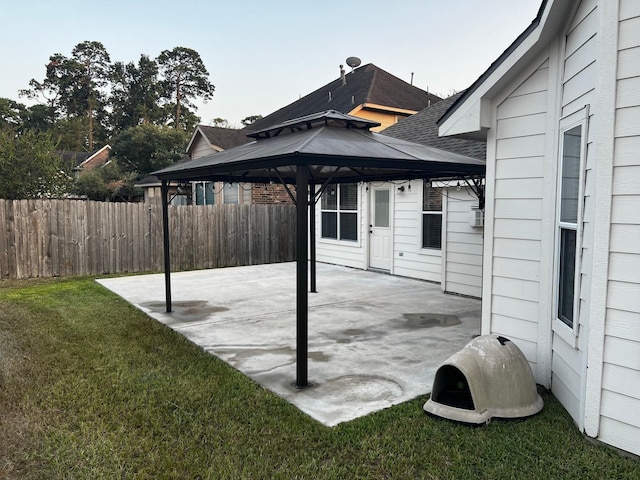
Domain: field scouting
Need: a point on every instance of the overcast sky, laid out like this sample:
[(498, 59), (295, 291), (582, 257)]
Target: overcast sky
[(263, 55)]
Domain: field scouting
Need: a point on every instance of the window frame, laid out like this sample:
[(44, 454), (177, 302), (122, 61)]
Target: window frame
[(569, 332), (423, 212), (203, 184), (338, 211)]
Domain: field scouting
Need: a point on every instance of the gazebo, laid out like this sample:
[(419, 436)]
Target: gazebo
[(309, 152)]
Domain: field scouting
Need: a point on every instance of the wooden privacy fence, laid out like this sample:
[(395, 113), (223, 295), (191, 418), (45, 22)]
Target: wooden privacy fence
[(44, 238)]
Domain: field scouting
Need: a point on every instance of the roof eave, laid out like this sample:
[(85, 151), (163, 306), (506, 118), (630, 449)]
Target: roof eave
[(470, 116)]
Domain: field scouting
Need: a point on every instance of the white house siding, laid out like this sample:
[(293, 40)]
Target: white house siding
[(579, 77), (409, 259), (463, 245), (620, 408), (515, 233), (201, 148)]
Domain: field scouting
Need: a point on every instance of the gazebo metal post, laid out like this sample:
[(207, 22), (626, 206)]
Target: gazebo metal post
[(164, 195), (312, 234), (302, 299)]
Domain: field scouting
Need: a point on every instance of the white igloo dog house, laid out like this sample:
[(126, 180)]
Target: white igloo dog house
[(488, 378)]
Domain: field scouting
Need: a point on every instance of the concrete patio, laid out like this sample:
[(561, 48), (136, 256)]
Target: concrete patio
[(375, 340)]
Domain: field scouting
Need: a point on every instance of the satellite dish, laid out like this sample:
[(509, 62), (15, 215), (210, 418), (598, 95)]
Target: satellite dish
[(353, 62)]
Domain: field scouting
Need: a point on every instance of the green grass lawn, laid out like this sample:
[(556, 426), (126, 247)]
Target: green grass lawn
[(92, 388)]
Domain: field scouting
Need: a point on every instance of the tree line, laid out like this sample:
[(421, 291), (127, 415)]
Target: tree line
[(145, 110)]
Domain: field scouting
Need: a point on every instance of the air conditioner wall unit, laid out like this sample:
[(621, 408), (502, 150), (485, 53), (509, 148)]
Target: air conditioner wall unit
[(477, 217)]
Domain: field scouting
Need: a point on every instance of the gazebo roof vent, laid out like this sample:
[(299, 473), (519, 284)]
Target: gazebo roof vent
[(331, 118)]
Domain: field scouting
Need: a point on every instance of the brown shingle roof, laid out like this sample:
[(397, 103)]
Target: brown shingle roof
[(224, 138), (422, 128), (367, 84)]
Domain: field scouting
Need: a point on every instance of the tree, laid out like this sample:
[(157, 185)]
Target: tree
[(39, 118), (246, 121), (72, 86), (70, 134), (220, 122), (30, 168), (11, 114), (94, 69), (185, 78), (145, 148), (135, 94)]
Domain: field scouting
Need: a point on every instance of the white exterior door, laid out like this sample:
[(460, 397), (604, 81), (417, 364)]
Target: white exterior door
[(380, 227)]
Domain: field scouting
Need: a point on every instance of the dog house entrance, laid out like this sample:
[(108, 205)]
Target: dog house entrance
[(450, 387)]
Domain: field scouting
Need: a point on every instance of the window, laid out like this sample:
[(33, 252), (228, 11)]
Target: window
[(230, 193), (339, 212), (569, 201), (179, 199), (431, 216), (204, 193)]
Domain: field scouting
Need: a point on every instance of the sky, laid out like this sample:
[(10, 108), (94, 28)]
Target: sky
[(263, 55)]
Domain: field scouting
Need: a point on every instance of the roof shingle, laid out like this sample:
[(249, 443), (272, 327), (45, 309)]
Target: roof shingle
[(366, 84), (422, 128)]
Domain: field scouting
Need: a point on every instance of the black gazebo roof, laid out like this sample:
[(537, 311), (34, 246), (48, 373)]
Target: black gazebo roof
[(331, 145)]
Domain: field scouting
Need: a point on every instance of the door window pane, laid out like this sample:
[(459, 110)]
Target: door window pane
[(381, 208)]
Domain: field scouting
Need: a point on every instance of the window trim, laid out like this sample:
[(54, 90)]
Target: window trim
[(569, 333), (431, 250), (194, 192)]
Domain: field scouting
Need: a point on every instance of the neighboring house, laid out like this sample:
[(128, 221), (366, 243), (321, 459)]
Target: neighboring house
[(207, 140), (204, 141), (84, 161), (430, 230), (560, 111), (178, 194), (366, 92)]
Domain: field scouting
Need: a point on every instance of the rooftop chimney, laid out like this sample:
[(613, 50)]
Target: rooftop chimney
[(342, 75)]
